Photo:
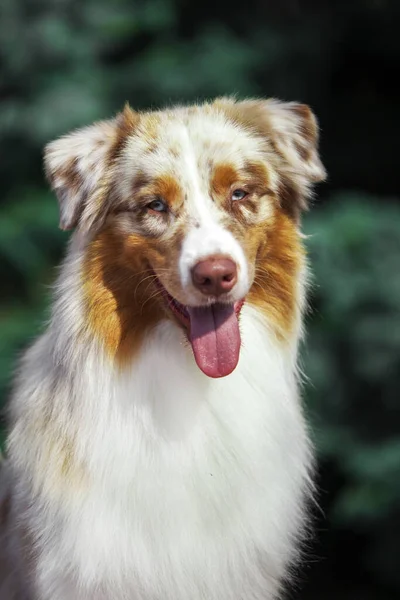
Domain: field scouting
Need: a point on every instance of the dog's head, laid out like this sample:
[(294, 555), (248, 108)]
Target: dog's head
[(189, 212)]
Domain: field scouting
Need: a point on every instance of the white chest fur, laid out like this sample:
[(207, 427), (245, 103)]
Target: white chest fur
[(194, 487)]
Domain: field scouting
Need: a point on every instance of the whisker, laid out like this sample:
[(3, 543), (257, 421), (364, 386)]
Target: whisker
[(147, 287), (151, 277), (157, 293), (263, 273), (150, 270), (255, 282)]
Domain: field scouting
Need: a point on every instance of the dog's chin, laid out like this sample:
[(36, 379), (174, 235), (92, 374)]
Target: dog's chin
[(212, 330)]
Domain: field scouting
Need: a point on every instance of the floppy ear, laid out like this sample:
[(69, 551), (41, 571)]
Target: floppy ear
[(291, 132), (79, 167)]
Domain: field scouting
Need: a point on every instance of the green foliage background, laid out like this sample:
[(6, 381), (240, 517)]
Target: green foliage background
[(65, 63)]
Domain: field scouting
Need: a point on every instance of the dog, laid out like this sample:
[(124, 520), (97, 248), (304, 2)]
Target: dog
[(157, 446)]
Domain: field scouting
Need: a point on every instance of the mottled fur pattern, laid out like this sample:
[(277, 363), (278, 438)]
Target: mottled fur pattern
[(134, 475)]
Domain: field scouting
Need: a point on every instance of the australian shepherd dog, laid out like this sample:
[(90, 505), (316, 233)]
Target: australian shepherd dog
[(157, 446)]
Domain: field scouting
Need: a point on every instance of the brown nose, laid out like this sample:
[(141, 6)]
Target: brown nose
[(214, 276)]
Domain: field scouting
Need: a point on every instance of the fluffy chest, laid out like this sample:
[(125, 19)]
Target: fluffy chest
[(185, 472)]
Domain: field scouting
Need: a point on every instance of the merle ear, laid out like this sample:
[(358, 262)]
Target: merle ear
[(291, 131), (79, 167)]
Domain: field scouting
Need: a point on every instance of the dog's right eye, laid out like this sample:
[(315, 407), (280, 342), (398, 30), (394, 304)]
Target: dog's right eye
[(157, 205)]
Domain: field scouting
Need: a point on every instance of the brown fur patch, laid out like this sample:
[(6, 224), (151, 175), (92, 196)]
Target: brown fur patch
[(145, 189), (223, 177), (253, 178), (126, 122), (120, 293), (279, 257), (169, 189), (290, 199)]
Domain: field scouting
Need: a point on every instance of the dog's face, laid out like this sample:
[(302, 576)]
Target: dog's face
[(188, 213)]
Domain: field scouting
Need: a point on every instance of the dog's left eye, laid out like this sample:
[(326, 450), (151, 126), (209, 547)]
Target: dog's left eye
[(157, 205), (238, 195)]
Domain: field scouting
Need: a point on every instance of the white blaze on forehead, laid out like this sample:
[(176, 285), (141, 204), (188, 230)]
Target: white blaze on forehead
[(206, 237)]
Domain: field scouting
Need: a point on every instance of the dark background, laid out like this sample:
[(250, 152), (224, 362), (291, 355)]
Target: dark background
[(65, 63)]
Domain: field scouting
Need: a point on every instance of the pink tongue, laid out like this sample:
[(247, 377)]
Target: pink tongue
[(215, 338)]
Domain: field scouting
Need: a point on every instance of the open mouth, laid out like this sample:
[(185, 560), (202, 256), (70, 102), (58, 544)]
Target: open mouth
[(213, 332)]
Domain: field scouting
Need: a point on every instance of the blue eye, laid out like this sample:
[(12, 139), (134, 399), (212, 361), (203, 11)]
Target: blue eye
[(158, 205), (238, 195)]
